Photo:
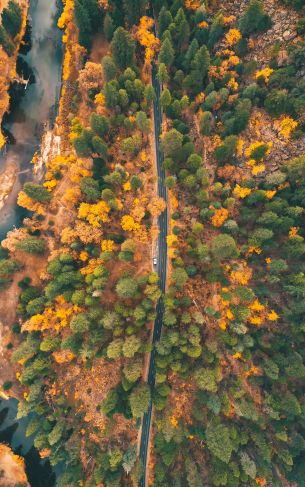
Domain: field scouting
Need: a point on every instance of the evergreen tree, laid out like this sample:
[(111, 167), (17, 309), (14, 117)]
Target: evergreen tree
[(143, 122), (181, 30), (99, 124), (6, 42), (12, 18), (95, 14), (37, 192), (134, 9), (162, 75), (254, 19), (32, 245), (83, 23), (123, 48), (200, 66), (108, 27), (217, 29), (190, 53), (109, 68), (164, 20), (167, 52)]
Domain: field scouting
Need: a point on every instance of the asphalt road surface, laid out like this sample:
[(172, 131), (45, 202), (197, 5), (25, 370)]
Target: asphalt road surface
[(161, 269)]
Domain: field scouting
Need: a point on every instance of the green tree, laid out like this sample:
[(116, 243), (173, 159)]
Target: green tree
[(8, 267), (114, 349), (49, 344), (111, 320), (82, 144), (133, 370), (134, 9), (131, 144), (136, 182), (109, 403), (100, 146), (80, 323), (108, 27), (171, 142), (109, 68), (217, 29), (219, 442), (254, 19), (143, 122), (37, 192), (164, 20), (226, 151), (162, 75), (149, 94), (32, 245), (90, 188), (139, 400), (181, 30), (131, 346), (55, 435), (179, 276), (83, 23), (6, 42), (189, 55), (99, 124), (165, 98), (111, 93), (206, 379), (126, 287), (199, 70), (12, 18), (129, 459), (167, 52), (123, 48), (206, 123), (224, 247)]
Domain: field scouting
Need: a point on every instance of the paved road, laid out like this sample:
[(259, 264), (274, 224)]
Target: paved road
[(161, 268)]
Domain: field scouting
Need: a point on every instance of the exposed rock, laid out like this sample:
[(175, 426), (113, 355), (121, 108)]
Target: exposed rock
[(11, 468), (7, 181)]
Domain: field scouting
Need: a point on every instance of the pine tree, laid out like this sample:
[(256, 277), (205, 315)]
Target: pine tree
[(108, 27), (181, 30), (254, 19), (164, 20), (162, 75), (82, 20), (109, 68), (95, 14), (123, 48), (167, 53), (200, 66), (6, 42), (12, 18), (134, 9), (190, 53)]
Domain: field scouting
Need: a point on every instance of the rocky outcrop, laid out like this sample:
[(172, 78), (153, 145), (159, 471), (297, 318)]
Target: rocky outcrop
[(11, 468)]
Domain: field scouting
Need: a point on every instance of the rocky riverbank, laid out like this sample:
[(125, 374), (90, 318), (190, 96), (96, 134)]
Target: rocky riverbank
[(12, 471)]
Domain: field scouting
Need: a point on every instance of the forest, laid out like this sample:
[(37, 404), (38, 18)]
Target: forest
[(217, 398)]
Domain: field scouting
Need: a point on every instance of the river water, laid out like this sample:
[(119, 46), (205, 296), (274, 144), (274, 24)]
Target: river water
[(32, 109), (29, 116)]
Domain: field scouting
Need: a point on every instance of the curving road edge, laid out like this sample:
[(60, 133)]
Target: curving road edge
[(161, 269)]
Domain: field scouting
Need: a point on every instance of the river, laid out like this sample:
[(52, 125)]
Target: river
[(35, 110), (32, 110)]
